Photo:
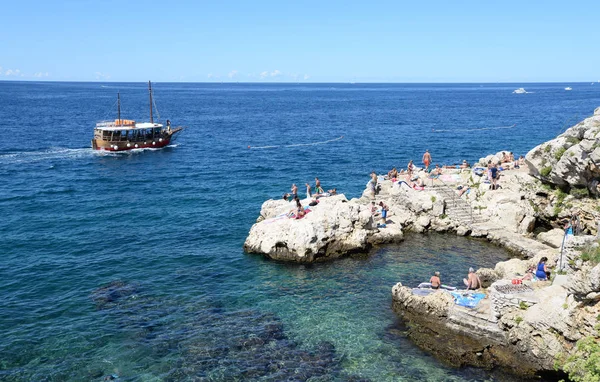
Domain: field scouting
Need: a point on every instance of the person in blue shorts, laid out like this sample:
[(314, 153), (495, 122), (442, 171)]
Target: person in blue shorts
[(384, 211), (494, 175)]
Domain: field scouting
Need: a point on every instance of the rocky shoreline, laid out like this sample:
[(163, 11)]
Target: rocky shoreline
[(527, 330)]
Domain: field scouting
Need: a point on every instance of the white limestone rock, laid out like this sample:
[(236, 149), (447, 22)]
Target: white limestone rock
[(553, 238)]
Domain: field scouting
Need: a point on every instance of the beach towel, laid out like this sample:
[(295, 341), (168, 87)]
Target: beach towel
[(450, 178), (479, 171), (466, 299)]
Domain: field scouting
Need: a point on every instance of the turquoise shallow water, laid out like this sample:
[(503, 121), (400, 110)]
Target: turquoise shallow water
[(132, 264)]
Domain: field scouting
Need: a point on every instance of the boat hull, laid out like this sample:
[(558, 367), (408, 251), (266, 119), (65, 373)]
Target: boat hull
[(102, 145)]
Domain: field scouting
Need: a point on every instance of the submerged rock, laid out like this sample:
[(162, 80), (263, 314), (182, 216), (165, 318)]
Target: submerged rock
[(108, 295)]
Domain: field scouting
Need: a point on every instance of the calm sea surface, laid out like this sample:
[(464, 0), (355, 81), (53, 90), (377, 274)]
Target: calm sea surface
[(131, 264)]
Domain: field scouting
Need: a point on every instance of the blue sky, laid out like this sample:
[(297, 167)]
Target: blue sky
[(311, 41)]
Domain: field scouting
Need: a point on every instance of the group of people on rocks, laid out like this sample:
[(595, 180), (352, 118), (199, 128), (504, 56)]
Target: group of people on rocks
[(472, 282), (299, 211)]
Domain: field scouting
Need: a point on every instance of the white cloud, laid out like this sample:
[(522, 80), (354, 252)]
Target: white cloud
[(210, 75), (275, 73), (102, 76), (40, 74), (11, 72), (306, 77), (264, 74), (233, 73)]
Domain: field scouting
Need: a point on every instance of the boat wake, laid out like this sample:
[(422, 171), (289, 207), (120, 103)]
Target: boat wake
[(131, 152), (473, 129), (296, 145), (52, 153)]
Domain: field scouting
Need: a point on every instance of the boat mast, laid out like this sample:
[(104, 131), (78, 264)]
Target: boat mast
[(150, 90), (119, 108)]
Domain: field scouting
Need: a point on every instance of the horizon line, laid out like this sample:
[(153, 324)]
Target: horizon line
[(300, 82)]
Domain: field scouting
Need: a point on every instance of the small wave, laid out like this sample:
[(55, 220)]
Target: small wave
[(130, 152), (296, 145), (473, 129), (52, 153)]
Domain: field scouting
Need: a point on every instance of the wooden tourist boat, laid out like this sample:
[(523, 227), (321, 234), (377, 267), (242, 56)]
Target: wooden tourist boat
[(126, 134)]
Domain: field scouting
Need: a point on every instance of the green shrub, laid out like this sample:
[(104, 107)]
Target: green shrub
[(443, 216), (545, 171), (518, 319), (433, 199), (579, 193), (561, 195), (584, 364), (559, 153), (523, 305), (557, 210), (591, 254), (573, 140), (547, 149)]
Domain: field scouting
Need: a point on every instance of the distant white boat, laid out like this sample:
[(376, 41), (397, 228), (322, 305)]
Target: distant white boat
[(568, 88), (519, 91)]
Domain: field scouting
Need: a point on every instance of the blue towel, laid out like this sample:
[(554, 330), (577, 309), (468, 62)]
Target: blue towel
[(469, 300)]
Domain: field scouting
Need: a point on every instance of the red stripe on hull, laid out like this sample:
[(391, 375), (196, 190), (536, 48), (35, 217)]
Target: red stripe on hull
[(157, 145)]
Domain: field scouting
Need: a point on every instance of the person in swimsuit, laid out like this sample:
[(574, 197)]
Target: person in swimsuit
[(542, 271), (495, 174), (294, 191), (410, 168), (472, 282), (307, 190), (435, 281), (384, 211), (318, 188), (426, 160), (299, 209)]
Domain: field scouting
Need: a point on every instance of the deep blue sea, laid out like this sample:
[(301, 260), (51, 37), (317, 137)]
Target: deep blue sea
[(131, 265)]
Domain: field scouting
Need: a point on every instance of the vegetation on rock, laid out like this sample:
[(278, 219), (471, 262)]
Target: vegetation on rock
[(584, 364), (591, 253), (545, 171)]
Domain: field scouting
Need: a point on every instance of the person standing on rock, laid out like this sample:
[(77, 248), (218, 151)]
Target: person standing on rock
[(495, 174), (372, 185), (294, 191), (426, 160), (435, 281), (384, 211), (318, 188), (307, 190), (472, 282)]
